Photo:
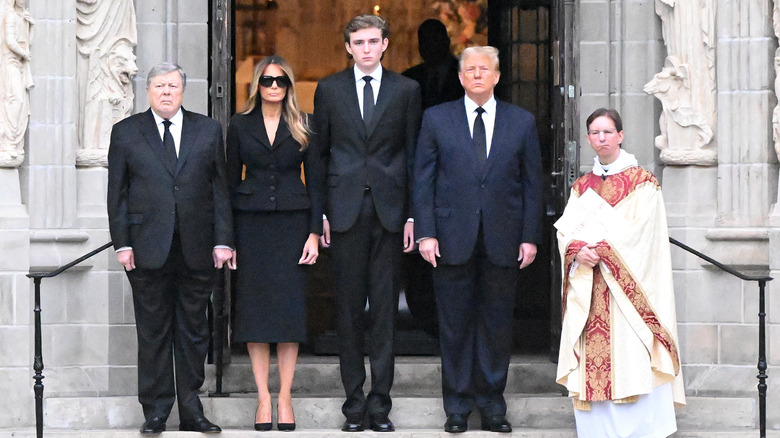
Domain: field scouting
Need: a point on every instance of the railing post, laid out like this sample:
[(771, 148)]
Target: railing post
[(762, 358), (38, 362)]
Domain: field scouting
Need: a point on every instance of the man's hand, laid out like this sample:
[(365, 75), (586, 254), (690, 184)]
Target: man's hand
[(126, 258), (527, 254), (409, 237), (429, 250), (587, 256), (310, 251), (325, 238), (224, 256)]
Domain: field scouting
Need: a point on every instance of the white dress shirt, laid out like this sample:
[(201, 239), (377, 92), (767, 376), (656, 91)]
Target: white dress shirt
[(175, 128), (488, 117), (360, 84)]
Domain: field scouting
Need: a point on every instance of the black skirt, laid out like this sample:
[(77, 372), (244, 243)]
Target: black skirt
[(270, 303)]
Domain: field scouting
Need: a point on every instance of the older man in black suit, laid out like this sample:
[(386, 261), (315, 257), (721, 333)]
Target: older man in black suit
[(366, 121), (171, 224), (477, 210)]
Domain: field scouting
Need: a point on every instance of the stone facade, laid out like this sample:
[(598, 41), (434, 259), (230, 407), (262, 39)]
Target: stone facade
[(52, 210)]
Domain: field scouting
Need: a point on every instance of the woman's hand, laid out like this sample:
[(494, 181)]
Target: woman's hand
[(310, 250)]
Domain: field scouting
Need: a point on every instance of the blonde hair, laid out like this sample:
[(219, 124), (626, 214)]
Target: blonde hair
[(489, 51), (291, 112)]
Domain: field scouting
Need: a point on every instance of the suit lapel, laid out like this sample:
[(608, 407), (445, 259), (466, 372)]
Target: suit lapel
[(151, 133), (282, 132), (189, 135), (387, 91), (351, 103), (469, 149), (257, 128), (500, 130)]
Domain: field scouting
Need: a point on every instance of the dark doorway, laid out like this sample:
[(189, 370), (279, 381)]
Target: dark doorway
[(531, 39)]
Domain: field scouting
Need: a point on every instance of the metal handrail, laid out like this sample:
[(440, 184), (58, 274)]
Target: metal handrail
[(38, 361), (762, 364)]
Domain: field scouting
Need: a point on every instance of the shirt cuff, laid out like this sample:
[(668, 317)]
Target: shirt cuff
[(125, 248)]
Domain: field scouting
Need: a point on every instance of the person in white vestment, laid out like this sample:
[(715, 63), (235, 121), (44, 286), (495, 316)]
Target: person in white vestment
[(619, 353)]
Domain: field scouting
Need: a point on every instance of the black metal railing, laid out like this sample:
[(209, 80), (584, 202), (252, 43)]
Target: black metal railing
[(218, 333), (762, 364), (38, 361)]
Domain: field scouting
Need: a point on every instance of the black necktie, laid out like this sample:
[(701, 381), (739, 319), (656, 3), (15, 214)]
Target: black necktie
[(368, 101), (168, 144), (480, 139)]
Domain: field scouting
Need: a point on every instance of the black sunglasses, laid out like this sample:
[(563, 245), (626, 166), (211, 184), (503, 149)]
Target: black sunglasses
[(281, 81)]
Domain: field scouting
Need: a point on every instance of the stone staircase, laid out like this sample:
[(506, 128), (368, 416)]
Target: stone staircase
[(536, 406)]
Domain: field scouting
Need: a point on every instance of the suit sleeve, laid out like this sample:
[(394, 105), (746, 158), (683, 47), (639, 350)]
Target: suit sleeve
[(425, 168), (320, 145), (116, 200), (233, 153), (531, 173), (223, 214), (413, 116), (314, 172)]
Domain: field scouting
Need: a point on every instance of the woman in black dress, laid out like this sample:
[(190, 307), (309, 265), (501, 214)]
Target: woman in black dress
[(278, 221)]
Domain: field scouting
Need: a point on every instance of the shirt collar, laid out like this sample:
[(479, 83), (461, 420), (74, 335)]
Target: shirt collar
[(175, 120), (489, 106), (375, 75)]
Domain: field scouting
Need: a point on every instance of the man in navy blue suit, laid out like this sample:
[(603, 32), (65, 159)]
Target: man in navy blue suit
[(477, 210)]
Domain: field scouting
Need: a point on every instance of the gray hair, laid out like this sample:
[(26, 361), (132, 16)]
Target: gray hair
[(489, 51), (164, 68)]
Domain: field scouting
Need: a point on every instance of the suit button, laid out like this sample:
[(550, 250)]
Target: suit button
[(483, 186), (273, 187), (176, 188), (273, 177), (272, 198)]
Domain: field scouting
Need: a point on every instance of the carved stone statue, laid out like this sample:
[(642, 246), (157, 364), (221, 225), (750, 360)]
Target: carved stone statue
[(16, 28), (680, 121), (106, 36), (686, 86)]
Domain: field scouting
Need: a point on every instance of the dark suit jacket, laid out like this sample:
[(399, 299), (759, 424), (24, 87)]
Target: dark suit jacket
[(273, 172), (146, 196), (379, 157), (453, 191)]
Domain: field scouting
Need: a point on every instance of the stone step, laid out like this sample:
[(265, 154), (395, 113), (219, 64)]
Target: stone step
[(547, 412), (330, 433), (414, 376)]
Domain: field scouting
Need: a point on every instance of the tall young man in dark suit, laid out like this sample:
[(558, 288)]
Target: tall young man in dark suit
[(171, 224), (366, 121), (477, 210)]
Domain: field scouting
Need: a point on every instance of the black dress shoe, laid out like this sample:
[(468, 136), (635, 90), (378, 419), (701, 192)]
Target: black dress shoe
[(153, 426), (382, 424), (456, 423), (354, 424), (200, 425), (496, 423)]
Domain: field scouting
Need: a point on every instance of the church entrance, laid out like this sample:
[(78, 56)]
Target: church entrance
[(531, 36)]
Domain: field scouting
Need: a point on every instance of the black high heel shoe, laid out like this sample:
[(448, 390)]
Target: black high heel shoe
[(284, 427), (262, 427)]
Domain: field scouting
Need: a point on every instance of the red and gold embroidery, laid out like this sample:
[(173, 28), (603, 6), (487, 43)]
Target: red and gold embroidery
[(616, 187), (598, 343)]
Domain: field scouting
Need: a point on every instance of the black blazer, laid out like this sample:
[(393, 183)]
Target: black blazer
[(453, 191), (146, 196), (379, 157), (273, 172)]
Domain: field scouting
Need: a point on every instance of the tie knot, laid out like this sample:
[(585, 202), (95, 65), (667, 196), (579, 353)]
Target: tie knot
[(167, 123), (480, 110), (367, 79)]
